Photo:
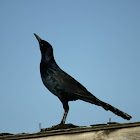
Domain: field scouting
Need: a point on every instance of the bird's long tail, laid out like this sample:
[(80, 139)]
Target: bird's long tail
[(115, 110), (107, 107)]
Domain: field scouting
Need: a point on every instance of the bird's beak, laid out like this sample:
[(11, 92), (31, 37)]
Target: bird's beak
[(38, 38)]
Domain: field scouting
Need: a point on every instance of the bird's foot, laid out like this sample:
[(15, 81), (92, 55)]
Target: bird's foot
[(60, 126)]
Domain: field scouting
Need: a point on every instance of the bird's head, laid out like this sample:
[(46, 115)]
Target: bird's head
[(45, 48)]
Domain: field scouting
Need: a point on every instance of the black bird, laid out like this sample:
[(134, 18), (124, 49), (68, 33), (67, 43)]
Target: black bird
[(65, 87)]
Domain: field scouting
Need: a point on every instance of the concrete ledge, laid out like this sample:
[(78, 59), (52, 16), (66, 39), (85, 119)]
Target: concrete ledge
[(126, 131)]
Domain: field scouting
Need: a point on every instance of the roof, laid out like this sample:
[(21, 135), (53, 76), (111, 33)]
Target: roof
[(44, 133)]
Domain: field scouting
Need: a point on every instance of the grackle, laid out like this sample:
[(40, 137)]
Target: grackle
[(65, 87)]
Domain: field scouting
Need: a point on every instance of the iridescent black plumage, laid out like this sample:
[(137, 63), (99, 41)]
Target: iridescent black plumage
[(64, 86)]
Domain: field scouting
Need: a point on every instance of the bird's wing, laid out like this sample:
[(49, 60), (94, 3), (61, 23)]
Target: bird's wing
[(72, 86), (76, 89)]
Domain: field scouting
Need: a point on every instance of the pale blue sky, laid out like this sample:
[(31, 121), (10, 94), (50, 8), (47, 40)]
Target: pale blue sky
[(95, 41)]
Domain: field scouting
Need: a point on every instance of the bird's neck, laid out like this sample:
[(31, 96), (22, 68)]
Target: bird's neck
[(48, 60)]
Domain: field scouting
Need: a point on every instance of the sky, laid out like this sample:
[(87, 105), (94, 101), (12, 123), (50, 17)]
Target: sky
[(95, 41)]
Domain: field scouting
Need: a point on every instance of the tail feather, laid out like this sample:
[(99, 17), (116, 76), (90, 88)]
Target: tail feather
[(115, 110), (107, 107)]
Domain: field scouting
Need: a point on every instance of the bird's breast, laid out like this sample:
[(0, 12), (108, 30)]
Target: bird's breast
[(50, 83)]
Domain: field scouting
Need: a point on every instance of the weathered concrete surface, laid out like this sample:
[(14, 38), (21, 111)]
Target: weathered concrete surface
[(127, 131), (119, 134)]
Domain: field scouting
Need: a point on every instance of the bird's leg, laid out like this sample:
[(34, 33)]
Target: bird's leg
[(66, 109), (64, 117), (62, 125)]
